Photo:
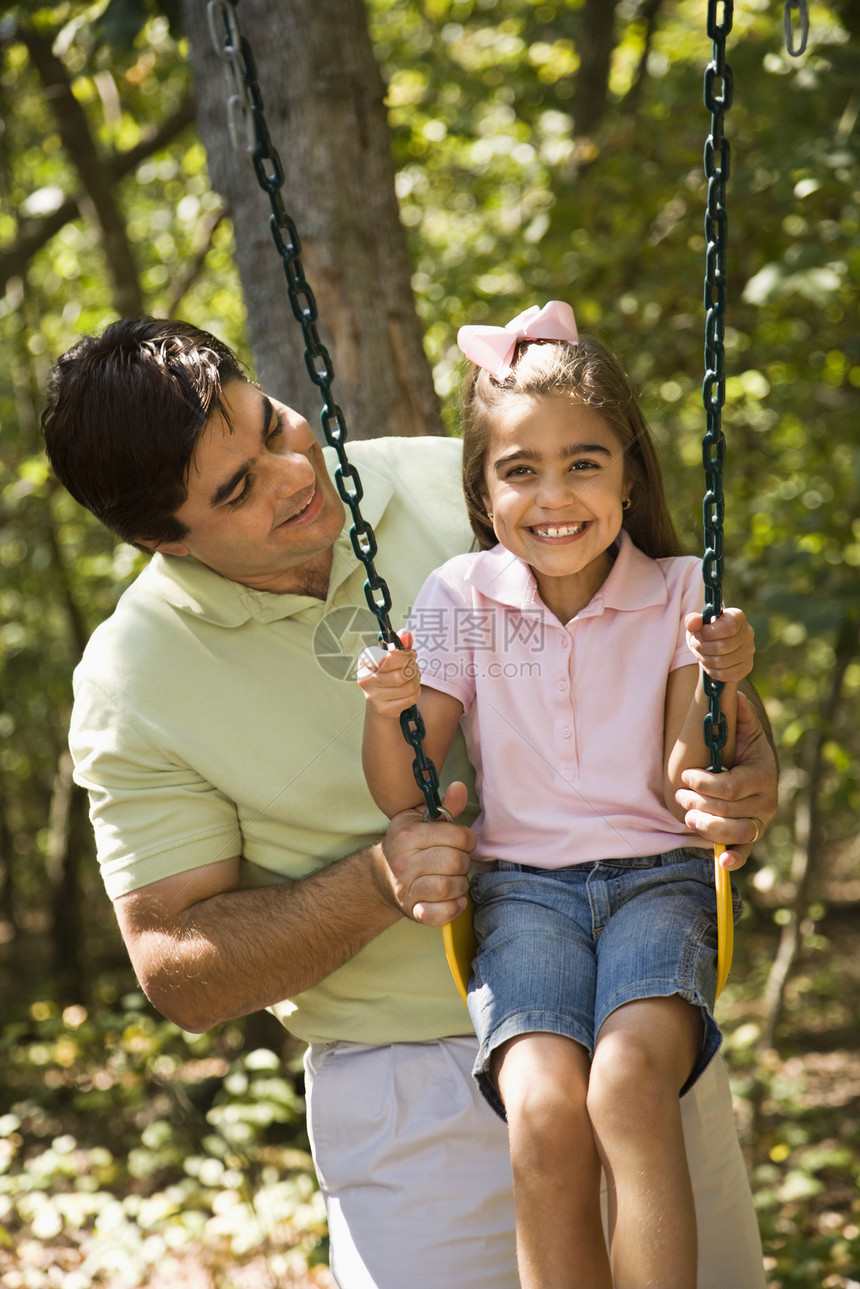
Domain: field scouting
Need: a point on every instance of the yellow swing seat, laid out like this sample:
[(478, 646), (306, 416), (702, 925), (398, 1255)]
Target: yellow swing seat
[(461, 947), (460, 943), (725, 921)]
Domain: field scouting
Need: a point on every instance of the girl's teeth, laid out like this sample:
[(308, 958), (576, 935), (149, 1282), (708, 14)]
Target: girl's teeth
[(568, 530)]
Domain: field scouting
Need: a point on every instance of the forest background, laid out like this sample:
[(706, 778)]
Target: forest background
[(530, 149)]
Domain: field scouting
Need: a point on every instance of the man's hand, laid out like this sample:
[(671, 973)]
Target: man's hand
[(734, 808), (424, 865)]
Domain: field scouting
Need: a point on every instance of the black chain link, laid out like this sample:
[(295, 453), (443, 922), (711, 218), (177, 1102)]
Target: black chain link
[(250, 133), (800, 5), (718, 98)]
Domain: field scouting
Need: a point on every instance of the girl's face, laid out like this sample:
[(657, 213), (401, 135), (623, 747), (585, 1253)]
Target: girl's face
[(555, 483)]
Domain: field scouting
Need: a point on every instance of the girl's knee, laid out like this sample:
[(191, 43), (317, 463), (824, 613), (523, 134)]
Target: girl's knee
[(542, 1105), (546, 1130), (624, 1077), (542, 1081), (650, 1039), (638, 1070)]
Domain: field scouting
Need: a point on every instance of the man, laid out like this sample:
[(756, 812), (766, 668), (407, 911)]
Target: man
[(248, 865)]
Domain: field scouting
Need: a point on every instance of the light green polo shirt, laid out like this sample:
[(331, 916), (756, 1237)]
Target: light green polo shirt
[(212, 720)]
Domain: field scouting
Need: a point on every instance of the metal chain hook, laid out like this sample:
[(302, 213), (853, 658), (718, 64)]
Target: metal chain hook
[(801, 6)]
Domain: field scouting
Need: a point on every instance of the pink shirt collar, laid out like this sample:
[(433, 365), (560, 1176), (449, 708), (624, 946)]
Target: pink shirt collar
[(634, 581)]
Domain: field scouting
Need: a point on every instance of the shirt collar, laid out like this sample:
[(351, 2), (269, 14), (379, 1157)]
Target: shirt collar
[(505, 578), (634, 581), (192, 588)]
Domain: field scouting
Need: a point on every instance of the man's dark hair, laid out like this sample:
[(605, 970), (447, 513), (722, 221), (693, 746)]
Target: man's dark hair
[(124, 414)]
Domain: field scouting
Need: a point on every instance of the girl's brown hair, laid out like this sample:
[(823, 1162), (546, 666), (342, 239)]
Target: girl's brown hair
[(589, 375)]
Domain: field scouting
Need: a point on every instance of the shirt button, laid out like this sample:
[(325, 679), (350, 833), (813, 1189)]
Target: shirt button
[(565, 641), (565, 733), (562, 684)]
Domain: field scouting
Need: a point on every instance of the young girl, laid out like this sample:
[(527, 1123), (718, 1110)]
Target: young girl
[(568, 647)]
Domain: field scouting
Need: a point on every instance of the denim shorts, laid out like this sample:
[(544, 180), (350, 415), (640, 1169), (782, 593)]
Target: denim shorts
[(560, 949)]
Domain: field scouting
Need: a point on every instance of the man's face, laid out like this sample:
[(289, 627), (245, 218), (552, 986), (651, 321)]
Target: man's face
[(261, 508)]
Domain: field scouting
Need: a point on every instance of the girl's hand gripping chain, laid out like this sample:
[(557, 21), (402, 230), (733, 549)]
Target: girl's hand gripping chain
[(724, 647), (390, 678)]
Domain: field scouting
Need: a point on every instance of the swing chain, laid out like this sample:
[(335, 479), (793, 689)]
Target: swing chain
[(795, 50), (718, 97), (250, 133)]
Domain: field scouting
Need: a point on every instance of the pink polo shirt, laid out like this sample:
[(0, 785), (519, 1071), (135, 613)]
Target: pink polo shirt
[(564, 723)]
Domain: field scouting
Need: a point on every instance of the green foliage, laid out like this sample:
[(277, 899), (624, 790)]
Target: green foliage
[(798, 1106), (508, 199), (124, 20), (125, 1145)]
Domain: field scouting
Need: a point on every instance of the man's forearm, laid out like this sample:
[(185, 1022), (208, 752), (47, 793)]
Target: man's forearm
[(233, 952), (749, 690)]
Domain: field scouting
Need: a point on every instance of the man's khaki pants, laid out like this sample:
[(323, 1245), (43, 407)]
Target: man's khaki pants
[(416, 1176)]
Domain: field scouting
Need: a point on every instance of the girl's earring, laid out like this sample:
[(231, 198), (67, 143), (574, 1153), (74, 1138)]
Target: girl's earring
[(626, 503), (490, 515)]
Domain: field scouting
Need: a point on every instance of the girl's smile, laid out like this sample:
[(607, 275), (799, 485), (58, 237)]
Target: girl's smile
[(555, 487), (552, 532)]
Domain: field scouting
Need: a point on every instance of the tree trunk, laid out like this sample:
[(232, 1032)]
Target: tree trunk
[(591, 86), (324, 104), (63, 869), (648, 13), (8, 920), (808, 834)]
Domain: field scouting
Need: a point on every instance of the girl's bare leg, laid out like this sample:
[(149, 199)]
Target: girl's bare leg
[(543, 1079), (644, 1054)]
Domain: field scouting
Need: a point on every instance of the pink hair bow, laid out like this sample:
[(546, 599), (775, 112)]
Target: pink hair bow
[(494, 347)]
